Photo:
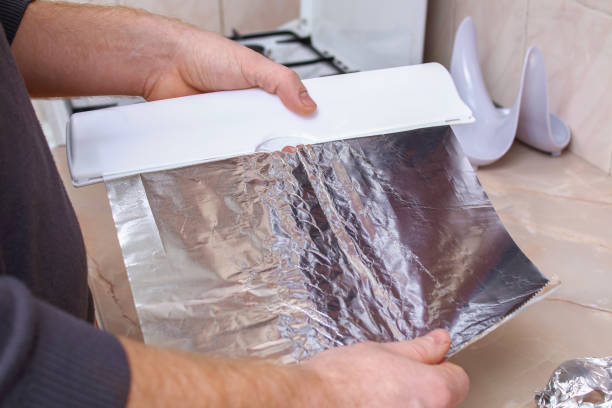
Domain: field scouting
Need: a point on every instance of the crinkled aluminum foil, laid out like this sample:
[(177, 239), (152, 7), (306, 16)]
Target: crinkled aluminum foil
[(284, 255), (580, 383)]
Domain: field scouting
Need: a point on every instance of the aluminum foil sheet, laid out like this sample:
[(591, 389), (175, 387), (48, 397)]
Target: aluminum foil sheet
[(580, 383), (283, 255)]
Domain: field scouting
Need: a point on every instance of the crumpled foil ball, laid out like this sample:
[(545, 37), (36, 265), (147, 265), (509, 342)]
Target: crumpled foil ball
[(580, 383)]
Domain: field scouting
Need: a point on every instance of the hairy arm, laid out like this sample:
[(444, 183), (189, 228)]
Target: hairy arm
[(70, 50), (161, 378), (406, 374)]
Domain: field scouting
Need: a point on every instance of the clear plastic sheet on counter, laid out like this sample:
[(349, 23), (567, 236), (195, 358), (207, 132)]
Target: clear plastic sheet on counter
[(579, 383), (283, 255)]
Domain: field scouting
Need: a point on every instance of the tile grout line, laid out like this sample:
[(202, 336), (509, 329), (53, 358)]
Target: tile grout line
[(610, 166), (453, 32), (555, 232), (501, 188), (221, 17), (455, 26), (582, 305), (526, 27), (594, 9)]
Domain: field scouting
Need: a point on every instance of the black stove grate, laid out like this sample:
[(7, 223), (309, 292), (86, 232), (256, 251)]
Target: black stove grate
[(294, 38)]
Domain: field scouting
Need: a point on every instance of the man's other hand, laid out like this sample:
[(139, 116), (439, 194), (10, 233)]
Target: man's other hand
[(405, 374), (410, 374)]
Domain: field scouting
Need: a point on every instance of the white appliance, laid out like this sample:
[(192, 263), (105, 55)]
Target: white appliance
[(369, 35), (341, 36)]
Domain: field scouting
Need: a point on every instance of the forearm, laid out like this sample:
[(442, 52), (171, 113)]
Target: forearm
[(162, 378), (68, 50)]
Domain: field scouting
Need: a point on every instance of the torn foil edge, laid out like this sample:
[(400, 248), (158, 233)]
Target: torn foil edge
[(551, 287)]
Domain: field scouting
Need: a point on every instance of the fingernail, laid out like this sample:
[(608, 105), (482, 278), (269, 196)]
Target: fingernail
[(306, 99), (437, 337)]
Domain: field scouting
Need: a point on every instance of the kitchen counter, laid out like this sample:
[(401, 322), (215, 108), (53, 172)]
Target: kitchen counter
[(559, 212)]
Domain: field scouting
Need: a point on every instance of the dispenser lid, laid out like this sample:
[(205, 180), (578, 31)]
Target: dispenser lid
[(117, 142)]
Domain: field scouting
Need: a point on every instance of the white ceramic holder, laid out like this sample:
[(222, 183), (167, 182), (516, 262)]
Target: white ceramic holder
[(529, 119)]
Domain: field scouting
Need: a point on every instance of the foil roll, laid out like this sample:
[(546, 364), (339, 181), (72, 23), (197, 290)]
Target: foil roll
[(580, 383), (284, 255)]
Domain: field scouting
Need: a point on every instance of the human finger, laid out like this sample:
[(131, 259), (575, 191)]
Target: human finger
[(456, 380), (428, 349), (282, 81)]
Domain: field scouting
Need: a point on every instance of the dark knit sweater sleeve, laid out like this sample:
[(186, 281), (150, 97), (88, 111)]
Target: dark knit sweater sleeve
[(11, 13), (50, 359)]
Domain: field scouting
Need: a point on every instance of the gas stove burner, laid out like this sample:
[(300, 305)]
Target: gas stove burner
[(289, 49), (257, 48)]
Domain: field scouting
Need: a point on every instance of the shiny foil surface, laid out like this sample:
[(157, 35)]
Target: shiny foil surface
[(283, 255), (580, 383)]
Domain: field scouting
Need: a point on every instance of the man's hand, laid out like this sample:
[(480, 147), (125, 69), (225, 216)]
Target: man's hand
[(70, 50), (405, 374), (410, 374), (206, 62)]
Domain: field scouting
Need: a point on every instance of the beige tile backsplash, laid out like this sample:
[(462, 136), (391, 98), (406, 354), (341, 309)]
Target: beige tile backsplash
[(217, 15), (577, 43), (200, 13), (576, 39), (501, 48), (257, 15)]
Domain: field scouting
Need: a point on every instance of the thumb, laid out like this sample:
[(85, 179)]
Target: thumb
[(429, 349), (290, 89), (285, 83)]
